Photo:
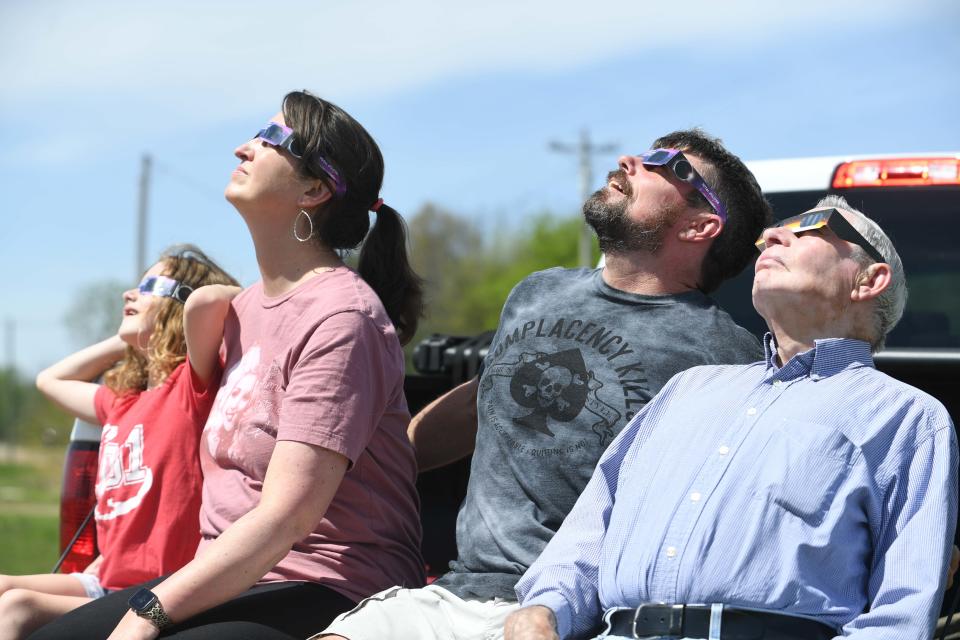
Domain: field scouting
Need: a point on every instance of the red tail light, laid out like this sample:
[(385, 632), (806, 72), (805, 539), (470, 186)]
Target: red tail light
[(76, 500), (897, 172)]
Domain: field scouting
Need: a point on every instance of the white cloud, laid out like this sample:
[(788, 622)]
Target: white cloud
[(238, 51)]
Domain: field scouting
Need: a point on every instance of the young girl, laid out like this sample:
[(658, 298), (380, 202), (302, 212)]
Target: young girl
[(309, 503), (152, 407)]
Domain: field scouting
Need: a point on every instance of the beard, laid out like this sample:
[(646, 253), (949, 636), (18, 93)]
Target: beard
[(616, 231)]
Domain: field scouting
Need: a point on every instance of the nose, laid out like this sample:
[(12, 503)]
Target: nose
[(243, 152), (628, 164), (776, 235), (130, 295)]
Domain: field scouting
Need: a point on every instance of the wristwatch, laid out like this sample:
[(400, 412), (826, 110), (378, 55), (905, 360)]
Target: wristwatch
[(145, 604)]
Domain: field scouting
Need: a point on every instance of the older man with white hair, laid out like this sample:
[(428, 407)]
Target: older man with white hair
[(803, 497)]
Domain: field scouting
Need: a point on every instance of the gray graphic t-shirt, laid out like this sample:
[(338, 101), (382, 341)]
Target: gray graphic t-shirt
[(572, 361)]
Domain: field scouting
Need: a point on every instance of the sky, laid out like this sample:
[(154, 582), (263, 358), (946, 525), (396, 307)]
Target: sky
[(463, 98)]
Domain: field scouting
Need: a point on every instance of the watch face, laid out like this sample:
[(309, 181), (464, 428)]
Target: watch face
[(142, 600)]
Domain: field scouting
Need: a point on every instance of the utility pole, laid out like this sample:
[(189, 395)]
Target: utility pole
[(584, 150), (11, 343), (9, 404), (143, 193)]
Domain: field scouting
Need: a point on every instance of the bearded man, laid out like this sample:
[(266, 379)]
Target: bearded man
[(578, 352)]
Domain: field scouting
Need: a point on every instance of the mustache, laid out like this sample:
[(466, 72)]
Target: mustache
[(619, 176)]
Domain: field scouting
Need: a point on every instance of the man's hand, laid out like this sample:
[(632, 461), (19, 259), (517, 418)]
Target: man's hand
[(954, 565), (531, 623)]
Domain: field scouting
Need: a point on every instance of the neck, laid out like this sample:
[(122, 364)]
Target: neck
[(797, 330), (284, 261), (648, 274)]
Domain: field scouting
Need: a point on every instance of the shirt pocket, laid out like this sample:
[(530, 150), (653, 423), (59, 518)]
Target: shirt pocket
[(802, 467)]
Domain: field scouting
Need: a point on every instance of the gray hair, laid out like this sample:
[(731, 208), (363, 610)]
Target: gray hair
[(890, 303)]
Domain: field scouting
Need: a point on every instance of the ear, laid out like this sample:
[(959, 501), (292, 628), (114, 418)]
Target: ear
[(871, 282), (700, 227), (315, 195)]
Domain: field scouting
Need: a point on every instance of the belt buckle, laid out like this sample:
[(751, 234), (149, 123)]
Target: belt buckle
[(660, 620)]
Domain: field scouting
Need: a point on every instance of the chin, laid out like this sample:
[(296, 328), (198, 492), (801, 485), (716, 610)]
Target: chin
[(128, 334), (130, 331)]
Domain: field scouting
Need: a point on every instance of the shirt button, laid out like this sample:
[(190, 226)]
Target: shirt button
[(695, 496), (752, 411), (724, 450), (778, 383), (671, 552)]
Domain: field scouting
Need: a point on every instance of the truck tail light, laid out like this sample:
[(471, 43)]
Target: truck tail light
[(76, 500), (897, 172)]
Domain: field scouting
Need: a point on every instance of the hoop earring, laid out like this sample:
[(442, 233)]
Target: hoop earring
[(309, 222)]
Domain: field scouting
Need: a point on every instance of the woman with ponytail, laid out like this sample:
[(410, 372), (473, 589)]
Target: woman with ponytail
[(309, 503)]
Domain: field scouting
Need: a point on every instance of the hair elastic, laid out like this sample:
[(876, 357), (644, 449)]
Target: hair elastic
[(375, 207)]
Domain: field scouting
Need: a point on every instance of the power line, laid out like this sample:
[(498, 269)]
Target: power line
[(584, 150), (198, 187)]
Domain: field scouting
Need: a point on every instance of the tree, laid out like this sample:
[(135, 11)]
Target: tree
[(25, 414), (446, 251), (468, 277), (95, 312)]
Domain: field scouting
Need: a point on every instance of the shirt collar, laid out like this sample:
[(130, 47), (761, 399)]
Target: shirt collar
[(827, 357)]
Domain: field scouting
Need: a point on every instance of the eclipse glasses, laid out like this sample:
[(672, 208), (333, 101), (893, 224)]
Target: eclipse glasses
[(826, 217), (277, 135), (674, 160), (164, 287)]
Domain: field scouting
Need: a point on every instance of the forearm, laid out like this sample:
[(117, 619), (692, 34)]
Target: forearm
[(301, 481), (84, 365), (231, 564), (67, 383), (446, 430)]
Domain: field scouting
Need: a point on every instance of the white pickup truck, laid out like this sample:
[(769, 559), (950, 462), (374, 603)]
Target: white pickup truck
[(915, 198)]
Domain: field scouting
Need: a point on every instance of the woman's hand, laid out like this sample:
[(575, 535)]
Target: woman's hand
[(133, 627)]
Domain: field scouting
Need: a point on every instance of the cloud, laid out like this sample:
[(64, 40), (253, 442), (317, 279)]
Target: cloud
[(105, 76), (249, 51)]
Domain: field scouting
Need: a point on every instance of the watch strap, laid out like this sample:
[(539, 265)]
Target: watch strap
[(152, 611)]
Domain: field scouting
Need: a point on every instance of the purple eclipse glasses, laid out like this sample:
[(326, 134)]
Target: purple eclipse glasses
[(164, 287), (683, 170), (277, 135)]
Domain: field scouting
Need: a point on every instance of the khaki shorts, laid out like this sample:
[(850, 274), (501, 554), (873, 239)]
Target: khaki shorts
[(430, 613)]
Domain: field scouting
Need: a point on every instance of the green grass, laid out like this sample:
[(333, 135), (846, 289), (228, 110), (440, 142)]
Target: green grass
[(29, 509), (28, 543)]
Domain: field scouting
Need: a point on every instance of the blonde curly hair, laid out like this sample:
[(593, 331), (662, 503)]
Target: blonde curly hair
[(167, 346)]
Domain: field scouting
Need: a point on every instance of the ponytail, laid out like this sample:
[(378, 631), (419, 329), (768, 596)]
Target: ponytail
[(331, 143), (384, 265)]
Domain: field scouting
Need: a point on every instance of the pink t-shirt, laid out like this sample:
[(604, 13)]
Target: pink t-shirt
[(320, 365)]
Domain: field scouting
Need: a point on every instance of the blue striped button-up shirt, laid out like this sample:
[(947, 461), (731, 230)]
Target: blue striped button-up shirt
[(823, 488)]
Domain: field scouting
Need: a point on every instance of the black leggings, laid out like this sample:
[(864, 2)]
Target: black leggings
[(276, 611)]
